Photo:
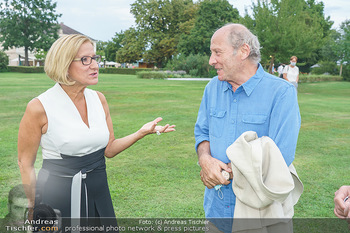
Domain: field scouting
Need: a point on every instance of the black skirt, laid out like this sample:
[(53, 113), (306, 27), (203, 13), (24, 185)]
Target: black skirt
[(54, 186)]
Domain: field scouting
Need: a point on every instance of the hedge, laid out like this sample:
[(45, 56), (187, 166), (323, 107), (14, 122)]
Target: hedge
[(319, 78), (152, 75), (163, 74), (26, 69), (40, 69), (130, 71)]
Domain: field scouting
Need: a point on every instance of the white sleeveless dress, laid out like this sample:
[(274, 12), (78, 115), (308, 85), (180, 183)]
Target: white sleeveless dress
[(73, 177), (67, 133)]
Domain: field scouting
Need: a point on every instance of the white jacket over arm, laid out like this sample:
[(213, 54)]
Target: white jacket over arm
[(265, 187)]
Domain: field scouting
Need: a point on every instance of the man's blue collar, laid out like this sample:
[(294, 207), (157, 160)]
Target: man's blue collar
[(250, 85)]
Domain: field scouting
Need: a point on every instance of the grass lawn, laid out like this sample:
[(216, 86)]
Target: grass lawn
[(159, 176)]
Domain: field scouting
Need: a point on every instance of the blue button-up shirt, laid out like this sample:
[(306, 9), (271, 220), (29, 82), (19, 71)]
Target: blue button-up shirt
[(265, 104)]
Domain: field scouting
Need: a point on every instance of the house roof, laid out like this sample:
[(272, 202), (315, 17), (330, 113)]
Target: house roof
[(68, 31)]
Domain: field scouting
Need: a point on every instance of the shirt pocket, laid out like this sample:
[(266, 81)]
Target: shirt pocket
[(254, 119), (217, 122), (255, 122)]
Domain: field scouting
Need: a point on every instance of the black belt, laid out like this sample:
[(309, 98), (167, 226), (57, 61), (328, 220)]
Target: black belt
[(76, 168)]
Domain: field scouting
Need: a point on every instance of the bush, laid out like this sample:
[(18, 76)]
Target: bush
[(318, 78), (4, 61), (26, 69), (326, 67), (194, 73), (162, 74), (346, 72), (176, 74), (212, 72), (195, 65), (151, 75), (122, 70), (304, 67)]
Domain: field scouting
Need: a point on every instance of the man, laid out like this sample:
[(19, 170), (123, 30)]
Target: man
[(243, 97), (17, 204), (280, 70)]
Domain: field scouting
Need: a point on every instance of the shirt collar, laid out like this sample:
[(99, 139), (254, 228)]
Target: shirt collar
[(226, 86), (250, 85)]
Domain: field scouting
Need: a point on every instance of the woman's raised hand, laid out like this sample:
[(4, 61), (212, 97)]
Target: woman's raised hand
[(153, 127)]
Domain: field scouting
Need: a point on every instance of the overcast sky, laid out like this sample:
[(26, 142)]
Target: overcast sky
[(103, 18)]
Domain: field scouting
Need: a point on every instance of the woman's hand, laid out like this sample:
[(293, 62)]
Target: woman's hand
[(152, 127), (115, 146)]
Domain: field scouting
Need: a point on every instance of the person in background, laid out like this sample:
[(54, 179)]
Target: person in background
[(280, 70), (291, 72), (14, 221), (242, 97), (74, 128)]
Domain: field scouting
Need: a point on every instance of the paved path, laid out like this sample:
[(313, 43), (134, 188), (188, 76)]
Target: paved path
[(189, 79)]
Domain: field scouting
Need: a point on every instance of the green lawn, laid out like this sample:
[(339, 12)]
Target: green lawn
[(159, 176)]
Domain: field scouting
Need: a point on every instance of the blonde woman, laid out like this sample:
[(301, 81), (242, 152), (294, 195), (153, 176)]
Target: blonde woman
[(73, 126)]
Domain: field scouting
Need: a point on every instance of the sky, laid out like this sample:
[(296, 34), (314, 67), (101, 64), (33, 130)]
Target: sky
[(101, 19)]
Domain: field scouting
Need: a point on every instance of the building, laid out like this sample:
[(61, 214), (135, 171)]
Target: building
[(16, 55), (143, 64)]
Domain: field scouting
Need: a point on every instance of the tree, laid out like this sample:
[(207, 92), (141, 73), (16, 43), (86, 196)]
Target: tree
[(345, 40), (40, 54), (194, 65), (100, 47), (113, 46), (31, 24), (160, 24), (131, 47), (4, 60), (329, 51), (317, 9), (328, 55), (288, 27), (211, 15), (342, 48)]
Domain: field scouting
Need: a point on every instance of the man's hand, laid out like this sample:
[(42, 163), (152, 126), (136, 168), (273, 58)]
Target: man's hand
[(341, 208), (231, 173), (211, 171)]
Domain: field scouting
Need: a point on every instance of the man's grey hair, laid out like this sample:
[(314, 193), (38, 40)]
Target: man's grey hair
[(240, 35)]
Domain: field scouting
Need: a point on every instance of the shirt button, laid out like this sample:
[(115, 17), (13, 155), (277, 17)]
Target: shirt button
[(233, 122), (235, 100)]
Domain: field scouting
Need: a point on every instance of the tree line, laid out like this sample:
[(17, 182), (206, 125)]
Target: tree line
[(166, 30), (284, 28)]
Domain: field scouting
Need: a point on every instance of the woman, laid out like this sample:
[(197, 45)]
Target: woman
[(73, 126), (291, 72)]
